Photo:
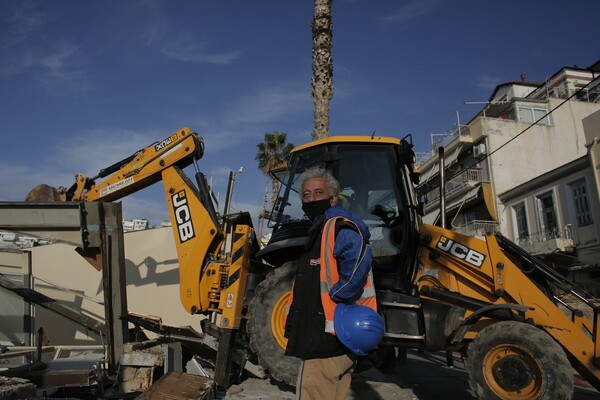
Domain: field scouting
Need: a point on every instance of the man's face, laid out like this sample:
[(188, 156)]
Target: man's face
[(314, 189)]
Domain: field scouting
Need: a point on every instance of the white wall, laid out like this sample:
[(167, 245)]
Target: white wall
[(13, 310), (540, 149), (152, 284)]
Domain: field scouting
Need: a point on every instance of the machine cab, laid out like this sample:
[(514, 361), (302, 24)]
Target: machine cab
[(376, 176)]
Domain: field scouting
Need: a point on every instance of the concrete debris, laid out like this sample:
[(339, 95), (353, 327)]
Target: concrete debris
[(16, 389), (139, 360)]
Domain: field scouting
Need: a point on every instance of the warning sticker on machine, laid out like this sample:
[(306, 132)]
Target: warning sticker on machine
[(229, 302), (116, 186)]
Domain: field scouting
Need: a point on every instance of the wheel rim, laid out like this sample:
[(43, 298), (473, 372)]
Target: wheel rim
[(278, 318), (513, 373)]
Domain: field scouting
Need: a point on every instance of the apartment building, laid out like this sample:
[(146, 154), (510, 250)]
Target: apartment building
[(524, 166)]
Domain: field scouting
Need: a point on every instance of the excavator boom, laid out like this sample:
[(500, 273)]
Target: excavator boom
[(139, 170), (214, 253)]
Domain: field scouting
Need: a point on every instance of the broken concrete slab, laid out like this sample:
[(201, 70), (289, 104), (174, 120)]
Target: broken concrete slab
[(16, 389)]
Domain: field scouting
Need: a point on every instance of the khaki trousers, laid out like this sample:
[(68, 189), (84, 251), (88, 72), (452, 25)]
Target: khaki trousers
[(319, 379)]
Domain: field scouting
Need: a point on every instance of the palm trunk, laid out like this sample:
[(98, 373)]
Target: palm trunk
[(322, 83), (275, 192)]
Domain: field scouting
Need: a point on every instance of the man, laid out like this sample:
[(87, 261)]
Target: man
[(334, 268)]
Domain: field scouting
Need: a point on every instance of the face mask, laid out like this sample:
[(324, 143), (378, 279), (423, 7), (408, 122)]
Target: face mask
[(315, 209)]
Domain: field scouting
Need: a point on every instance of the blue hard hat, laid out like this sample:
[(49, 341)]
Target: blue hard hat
[(358, 327)]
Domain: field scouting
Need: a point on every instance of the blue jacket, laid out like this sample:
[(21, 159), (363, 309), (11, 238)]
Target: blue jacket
[(305, 325), (353, 272)]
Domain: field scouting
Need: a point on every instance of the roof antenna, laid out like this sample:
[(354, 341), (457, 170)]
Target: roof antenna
[(373, 134)]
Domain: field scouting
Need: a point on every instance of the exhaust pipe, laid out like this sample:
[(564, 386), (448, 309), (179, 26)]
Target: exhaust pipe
[(442, 187)]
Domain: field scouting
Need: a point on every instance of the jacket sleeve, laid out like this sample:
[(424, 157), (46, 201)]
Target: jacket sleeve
[(354, 258)]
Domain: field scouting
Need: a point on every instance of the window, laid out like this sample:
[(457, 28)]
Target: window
[(583, 212), (364, 175), (548, 222), (531, 114), (521, 218)]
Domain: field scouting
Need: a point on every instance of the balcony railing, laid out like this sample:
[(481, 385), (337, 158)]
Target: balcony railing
[(548, 241), (477, 228), (465, 180), (546, 234)]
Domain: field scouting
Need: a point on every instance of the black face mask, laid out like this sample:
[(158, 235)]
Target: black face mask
[(315, 209)]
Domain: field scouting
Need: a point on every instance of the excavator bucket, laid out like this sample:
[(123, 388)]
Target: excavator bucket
[(46, 194)]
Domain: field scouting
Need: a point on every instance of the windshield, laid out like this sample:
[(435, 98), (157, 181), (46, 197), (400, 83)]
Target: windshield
[(375, 185), (289, 207), (366, 175)]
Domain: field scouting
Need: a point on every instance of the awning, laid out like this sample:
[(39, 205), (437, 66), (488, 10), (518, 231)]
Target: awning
[(449, 159), (489, 200), (461, 201), (433, 216)]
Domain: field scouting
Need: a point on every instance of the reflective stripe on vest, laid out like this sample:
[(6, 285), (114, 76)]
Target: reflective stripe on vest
[(329, 275)]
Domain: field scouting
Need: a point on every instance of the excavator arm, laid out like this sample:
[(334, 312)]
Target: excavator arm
[(214, 255), (200, 237), (497, 276), (139, 170)]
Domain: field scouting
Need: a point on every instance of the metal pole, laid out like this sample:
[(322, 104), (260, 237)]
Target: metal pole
[(442, 188), (264, 210), (229, 192)]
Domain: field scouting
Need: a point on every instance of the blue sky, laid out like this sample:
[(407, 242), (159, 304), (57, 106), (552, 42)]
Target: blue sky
[(86, 83)]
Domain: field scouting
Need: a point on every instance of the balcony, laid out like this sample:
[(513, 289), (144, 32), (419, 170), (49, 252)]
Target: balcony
[(477, 228), (548, 241), (461, 183)]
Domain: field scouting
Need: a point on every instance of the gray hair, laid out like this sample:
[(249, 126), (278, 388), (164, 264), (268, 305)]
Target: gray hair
[(318, 172)]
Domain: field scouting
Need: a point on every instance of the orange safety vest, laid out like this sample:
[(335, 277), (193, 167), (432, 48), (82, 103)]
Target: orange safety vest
[(328, 276), (329, 273)]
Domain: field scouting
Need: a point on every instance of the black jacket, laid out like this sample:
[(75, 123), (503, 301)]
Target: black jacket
[(305, 326)]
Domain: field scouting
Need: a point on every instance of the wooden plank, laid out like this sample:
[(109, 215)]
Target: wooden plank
[(179, 385)]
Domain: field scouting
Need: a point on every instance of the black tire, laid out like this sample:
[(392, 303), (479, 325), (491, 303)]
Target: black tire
[(515, 360), (265, 325)]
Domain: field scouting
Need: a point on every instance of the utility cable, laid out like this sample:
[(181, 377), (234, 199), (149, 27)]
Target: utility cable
[(530, 126)]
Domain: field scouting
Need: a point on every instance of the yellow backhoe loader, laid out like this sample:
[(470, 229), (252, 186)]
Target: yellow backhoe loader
[(488, 299)]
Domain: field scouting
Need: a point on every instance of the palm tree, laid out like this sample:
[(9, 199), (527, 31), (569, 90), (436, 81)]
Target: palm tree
[(322, 67), (273, 153)]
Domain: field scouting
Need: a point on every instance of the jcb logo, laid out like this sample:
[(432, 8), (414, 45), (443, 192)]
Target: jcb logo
[(461, 251), (183, 217)]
